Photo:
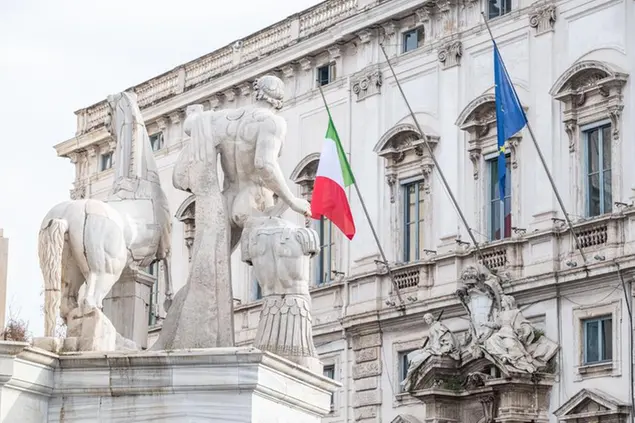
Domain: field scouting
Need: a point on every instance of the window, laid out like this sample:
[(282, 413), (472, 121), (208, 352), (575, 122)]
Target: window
[(598, 170), (105, 161), (498, 8), (404, 362), (326, 74), (156, 141), (598, 340), (326, 259), (329, 371), (499, 212), (153, 307), (412, 40), (413, 220), (257, 291)]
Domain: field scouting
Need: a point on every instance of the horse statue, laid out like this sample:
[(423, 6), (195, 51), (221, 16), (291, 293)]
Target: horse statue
[(85, 245)]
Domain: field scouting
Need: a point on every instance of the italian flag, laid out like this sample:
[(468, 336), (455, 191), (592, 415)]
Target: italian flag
[(332, 177)]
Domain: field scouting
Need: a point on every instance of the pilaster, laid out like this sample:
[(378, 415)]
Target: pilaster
[(542, 200), (367, 369)]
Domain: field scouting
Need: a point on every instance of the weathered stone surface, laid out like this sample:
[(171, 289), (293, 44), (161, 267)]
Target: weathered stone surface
[(370, 368), (367, 354), (366, 398), (366, 383), (364, 413), (366, 341)]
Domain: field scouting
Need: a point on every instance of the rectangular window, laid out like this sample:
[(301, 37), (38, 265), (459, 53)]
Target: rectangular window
[(156, 141), (257, 291), (412, 40), (403, 367), (326, 259), (329, 371), (105, 161), (326, 74), (153, 307), (598, 340), (500, 212), (413, 220), (496, 8), (598, 170)]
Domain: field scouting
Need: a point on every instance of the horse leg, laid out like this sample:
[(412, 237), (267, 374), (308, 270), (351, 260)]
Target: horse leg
[(72, 281)]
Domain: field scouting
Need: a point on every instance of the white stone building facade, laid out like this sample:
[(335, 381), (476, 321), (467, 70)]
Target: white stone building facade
[(570, 62)]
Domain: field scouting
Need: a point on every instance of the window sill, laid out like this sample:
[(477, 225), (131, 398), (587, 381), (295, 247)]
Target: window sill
[(597, 370), (403, 399)]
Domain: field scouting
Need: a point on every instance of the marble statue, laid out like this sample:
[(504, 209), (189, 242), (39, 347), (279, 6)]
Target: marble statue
[(85, 245), (248, 141), (201, 315), (498, 329), (279, 253), (440, 342)]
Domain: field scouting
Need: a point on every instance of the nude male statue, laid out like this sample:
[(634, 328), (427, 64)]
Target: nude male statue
[(250, 140)]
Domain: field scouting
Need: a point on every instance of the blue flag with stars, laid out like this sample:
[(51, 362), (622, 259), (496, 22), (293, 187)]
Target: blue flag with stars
[(510, 116)]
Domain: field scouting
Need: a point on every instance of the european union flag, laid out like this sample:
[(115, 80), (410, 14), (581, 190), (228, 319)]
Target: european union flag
[(510, 116)]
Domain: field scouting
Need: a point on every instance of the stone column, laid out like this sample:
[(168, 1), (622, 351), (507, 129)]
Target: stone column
[(541, 115), (367, 394), (127, 305)]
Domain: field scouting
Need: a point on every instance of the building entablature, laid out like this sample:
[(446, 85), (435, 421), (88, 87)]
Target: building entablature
[(289, 48)]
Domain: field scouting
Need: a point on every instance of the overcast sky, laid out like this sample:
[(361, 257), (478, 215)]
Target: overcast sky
[(57, 56)]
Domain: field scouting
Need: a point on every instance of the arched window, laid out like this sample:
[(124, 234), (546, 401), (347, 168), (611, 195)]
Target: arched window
[(408, 168), (495, 217), (324, 267), (187, 214), (591, 93)]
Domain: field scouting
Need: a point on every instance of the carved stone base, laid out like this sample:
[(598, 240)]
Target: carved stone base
[(454, 393), (127, 305)]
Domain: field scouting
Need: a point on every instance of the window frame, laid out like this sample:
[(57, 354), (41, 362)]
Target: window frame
[(331, 69), (491, 160), (324, 370), (324, 274), (601, 359), (420, 197), (507, 12), (402, 366), (158, 136), (585, 131), (419, 32), (106, 158), (153, 318)]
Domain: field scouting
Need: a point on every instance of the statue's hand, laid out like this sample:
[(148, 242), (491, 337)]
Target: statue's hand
[(300, 205)]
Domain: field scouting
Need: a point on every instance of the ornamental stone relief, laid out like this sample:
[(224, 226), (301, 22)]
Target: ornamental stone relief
[(543, 18), (450, 54), (367, 83), (591, 91)]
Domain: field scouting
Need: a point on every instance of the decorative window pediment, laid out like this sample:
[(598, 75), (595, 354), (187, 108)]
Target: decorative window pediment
[(591, 91), (187, 214), (405, 418), (304, 174), (406, 155), (478, 119), (592, 405)]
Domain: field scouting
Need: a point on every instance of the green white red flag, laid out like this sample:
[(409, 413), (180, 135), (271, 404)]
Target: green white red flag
[(329, 189)]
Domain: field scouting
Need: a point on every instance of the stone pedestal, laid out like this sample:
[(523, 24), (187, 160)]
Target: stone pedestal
[(127, 306), (241, 385)]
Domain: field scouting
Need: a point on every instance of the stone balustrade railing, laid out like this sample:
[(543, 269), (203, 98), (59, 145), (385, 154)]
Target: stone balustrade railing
[(231, 57)]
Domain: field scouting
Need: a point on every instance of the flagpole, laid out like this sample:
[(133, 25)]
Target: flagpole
[(436, 164), (402, 305), (544, 164)]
